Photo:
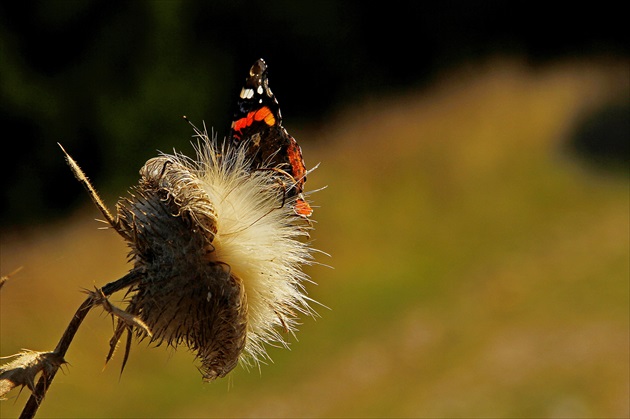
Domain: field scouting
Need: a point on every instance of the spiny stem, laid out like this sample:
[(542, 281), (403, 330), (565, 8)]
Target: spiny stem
[(33, 403)]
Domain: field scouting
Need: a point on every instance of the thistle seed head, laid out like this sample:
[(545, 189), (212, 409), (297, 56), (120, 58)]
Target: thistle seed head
[(221, 250)]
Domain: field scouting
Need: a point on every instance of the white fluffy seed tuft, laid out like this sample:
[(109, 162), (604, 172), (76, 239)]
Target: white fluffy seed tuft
[(259, 237)]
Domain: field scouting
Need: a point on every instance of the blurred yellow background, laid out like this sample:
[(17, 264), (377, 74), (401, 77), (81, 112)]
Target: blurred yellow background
[(479, 269)]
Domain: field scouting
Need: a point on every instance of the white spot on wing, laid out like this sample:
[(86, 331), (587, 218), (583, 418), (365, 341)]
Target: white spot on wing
[(246, 93)]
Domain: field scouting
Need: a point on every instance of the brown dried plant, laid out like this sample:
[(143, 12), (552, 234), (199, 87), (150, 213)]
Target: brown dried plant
[(217, 252)]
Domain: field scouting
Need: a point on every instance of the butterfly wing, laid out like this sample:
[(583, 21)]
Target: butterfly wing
[(257, 125)]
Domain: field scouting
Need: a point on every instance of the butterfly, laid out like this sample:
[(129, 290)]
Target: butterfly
[(257, 125)]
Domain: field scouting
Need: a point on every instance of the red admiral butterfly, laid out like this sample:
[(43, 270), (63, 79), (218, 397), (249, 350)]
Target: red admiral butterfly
[(257, 124)]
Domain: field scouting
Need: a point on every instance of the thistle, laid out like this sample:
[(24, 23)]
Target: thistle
[(219, 248), (216, 248)]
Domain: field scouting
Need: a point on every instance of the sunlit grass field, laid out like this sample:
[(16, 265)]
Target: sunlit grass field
[(478, 270)]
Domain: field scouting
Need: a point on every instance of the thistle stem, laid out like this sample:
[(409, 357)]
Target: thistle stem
[(33, 403)]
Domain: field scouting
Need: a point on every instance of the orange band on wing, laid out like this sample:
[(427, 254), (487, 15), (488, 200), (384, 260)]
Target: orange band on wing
[(242, 123), (302, 208), (265, 114), (297, 164), (262, 114)]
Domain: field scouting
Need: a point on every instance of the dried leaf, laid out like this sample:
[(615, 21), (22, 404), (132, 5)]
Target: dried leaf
[(25, 367)]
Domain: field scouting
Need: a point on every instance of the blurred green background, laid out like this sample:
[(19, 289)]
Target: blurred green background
[(476, 210)]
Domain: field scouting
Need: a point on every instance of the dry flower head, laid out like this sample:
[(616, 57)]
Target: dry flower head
[(220, 251)]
